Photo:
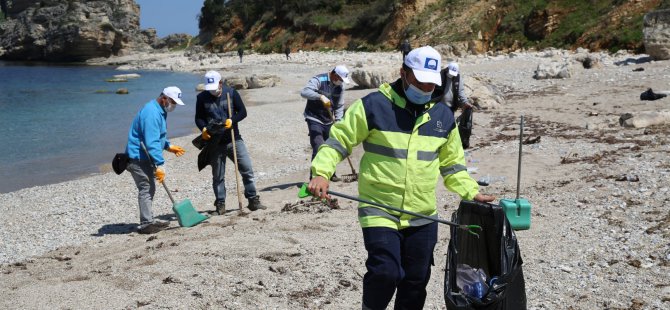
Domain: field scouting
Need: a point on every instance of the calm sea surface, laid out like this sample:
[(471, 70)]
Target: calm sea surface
[(55, 125)]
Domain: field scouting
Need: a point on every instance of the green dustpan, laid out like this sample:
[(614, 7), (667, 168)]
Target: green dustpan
[(187, 216)]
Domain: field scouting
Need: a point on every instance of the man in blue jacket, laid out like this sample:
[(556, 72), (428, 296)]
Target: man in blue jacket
[(211, 110), (149, 131), (325, 105)]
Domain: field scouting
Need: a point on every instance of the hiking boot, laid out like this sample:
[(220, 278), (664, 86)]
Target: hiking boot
[(220, 207), (335, 178), (255, 204)]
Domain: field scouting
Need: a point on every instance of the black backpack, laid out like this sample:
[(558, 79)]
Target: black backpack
[(496, 251)]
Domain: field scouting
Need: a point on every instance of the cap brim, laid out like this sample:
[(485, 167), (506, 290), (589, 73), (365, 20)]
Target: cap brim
[(453, 73), (212, 86), (428, 77), (178, 101), (344, 79)]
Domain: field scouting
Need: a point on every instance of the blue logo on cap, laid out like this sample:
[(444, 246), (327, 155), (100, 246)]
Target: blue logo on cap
[(179, 95), (431, 63), (210, 80)]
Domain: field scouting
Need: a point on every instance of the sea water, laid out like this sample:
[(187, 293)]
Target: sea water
[(59, 123)]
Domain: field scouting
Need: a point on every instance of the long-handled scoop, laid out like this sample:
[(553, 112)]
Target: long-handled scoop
[(469, 228), (187, 216)]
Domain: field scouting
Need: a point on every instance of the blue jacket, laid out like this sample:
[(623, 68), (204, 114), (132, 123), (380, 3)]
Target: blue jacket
[(314, 110), (150, 128)]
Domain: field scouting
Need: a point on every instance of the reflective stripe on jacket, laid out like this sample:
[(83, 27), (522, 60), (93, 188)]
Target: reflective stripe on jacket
[(404, 155)]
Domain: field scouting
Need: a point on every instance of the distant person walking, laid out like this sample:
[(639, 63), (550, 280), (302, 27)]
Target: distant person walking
[(240, 52), (287, 51), (405, 48), (149, 131)]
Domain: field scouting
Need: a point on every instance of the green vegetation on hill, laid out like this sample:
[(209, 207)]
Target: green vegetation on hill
[(498, 24)]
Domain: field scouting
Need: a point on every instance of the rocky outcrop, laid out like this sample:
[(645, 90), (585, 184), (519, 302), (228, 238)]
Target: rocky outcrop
[(70, 30), (657, 34), (173, 41)]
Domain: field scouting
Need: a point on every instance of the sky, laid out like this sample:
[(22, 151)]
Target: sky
[(170, 16)]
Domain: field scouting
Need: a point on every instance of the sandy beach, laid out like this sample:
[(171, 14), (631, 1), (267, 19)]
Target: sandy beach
[(599, 194)]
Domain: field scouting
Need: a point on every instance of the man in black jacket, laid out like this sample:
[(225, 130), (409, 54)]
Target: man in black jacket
[(453, 95), (211, 111)]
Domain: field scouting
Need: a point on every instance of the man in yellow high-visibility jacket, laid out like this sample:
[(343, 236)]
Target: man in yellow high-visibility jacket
[(408, 142)]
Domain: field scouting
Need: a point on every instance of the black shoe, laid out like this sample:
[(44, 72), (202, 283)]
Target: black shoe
[(255, 204), (220, 207), (335, 178)]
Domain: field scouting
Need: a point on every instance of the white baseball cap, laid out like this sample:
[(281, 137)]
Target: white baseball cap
[(453, 68), (212, 79), (343, 73), (425, 62), (174, 93)]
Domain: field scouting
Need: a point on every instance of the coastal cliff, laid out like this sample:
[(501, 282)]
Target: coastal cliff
[(63, 30)]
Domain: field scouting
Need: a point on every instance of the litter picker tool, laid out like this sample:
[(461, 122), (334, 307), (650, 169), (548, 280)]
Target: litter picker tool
[(517, 210), (187, 216), (232, 135), (469, 228), (353, 177)]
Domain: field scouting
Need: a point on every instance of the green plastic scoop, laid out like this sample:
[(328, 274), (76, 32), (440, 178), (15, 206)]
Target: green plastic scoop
[(469, 228)]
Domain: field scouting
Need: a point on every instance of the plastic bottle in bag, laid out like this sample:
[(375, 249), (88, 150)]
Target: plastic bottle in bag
[(471, 281)]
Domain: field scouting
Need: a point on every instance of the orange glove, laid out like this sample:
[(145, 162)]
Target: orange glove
[(326, 102), (160, 174), (205, 134), (177, 150), (228, 124)]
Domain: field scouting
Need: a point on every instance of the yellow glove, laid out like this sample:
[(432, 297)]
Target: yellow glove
[(228, 124), (205, 134), (160, 174), (326, 102), (177, 150)]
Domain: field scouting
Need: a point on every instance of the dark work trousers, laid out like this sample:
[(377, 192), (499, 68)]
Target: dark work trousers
[(398, 260), (318, 133)]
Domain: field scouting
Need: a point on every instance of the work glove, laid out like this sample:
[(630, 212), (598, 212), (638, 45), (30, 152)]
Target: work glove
[(205, 134), (160, 174), (326, 101), (228, 124), (177, 150)]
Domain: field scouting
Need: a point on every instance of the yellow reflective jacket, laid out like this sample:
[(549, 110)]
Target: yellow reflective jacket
[(404, 155)]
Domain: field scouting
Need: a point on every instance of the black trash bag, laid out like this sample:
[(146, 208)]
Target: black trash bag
[(496, 251), (651, 95), (465, 127)]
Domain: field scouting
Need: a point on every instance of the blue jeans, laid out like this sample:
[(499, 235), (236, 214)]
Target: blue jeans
[(398, 260), (243, 165), (318, 133)]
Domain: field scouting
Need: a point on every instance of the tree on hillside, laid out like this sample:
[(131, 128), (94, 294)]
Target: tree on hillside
[(3, 7)]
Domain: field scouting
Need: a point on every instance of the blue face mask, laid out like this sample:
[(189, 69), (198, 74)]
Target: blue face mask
[(416, 95)]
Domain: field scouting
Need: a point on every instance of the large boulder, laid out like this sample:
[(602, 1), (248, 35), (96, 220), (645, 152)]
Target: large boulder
[(72, 30), (553, 70), (262, 81), (657, 34), (645, 119), (374, 77)]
